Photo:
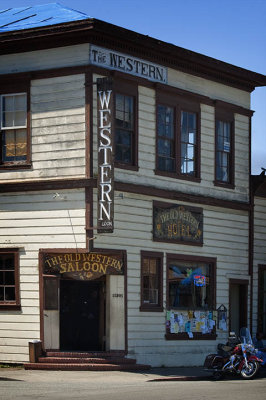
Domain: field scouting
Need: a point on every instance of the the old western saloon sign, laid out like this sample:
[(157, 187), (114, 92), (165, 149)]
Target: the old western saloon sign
[(105, 220), (177, 223), (82, 266)]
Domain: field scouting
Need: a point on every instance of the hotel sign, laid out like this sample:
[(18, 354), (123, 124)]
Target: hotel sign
[(105, 222), (130, 65), (177, 223), (82, 266)]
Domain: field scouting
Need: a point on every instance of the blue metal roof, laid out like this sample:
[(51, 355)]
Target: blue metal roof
[(13, 19)]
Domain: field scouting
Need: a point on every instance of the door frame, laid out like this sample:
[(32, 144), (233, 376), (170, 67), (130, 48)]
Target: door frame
[(109, 252), (243, 298)]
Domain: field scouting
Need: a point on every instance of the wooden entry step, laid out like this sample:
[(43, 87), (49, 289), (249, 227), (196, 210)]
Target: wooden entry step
[(95, 361)]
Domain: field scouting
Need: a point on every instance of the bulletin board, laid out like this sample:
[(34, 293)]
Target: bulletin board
[(190, 324)]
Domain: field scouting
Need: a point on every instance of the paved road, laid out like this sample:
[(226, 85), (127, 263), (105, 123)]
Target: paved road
[(158, 384)]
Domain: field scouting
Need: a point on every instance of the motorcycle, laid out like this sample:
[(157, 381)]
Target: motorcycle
[(237, 357)]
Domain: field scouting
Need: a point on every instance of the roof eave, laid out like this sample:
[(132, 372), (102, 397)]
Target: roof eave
[(110, 35)]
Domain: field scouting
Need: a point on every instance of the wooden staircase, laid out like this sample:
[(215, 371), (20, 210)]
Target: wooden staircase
[(83, 361)]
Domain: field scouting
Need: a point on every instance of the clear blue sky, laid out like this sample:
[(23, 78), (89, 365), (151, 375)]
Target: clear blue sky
[(233, 31)]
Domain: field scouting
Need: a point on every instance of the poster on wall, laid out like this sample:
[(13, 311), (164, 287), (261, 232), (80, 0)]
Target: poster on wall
[(177, 223), (190, 322)]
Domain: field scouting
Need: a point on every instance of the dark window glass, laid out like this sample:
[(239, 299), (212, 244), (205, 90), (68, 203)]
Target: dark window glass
[(177, 148), (223, 151), (166, 139), (7, 278), (124, 129), (188, 142), (151, 282)]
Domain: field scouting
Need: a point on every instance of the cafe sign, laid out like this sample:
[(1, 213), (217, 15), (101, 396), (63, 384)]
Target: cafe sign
[(177, 223), (82, 266)]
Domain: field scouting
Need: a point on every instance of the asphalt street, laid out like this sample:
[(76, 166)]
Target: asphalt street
[(157, 384)]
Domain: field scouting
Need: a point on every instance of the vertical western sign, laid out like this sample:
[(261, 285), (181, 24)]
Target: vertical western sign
[(105, 156)]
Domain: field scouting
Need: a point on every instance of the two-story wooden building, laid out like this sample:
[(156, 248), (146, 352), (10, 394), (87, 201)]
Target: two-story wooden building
[(125, 205)]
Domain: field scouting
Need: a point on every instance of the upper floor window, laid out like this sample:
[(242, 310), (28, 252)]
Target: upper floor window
[(14, 129), (9, 278), (126, 138), (151, 281), (224, 144), (177, 138)]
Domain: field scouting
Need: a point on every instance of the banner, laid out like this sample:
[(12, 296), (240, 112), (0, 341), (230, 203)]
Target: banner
[(105, 222)]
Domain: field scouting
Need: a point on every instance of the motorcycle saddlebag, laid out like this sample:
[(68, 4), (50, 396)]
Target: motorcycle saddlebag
[(213, 361)]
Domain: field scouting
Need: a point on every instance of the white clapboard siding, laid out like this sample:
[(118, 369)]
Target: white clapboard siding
[(32, 221), (225, 238), (259, 250), (208, 88), (45, 59), (147, 151)]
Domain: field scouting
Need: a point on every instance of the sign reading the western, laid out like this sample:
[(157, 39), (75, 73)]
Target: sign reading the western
[(177, 223), (105, 221), (131, 65), (82, 266)]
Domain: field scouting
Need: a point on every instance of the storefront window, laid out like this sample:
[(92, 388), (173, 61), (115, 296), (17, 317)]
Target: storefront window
[(190, 284)]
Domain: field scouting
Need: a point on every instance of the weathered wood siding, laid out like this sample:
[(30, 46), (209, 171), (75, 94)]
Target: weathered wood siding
[(147, 153), (225, 237), (32, 221), (259, 250), (59, 57), (57, 130)]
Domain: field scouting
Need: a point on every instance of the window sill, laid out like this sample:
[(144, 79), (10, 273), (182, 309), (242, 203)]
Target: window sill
[(10, 306), (126, 166), (196, 336), (177, 176), (12, 166), (224, 185), (150, 308)]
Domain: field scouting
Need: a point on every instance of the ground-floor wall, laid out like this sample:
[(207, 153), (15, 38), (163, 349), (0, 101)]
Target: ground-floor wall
[(30, 221), (45, 220), (259, 265), (225, 233)]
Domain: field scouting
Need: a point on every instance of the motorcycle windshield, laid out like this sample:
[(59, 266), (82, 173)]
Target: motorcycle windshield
[(245, 336)]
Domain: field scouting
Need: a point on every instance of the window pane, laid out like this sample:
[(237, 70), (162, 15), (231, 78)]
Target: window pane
[(189, 285), (9, 278), (20, 102), (10, 294), (223, 151), (165, 148), (14, 111), (188, 142), (150, 281), (124, 128), (15, 145), (20, 118)]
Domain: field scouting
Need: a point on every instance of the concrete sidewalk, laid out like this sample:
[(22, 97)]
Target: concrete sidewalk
[(153, 375)]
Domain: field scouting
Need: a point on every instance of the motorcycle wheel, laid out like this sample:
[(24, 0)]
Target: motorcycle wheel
[(250, 371), (217, 376)]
